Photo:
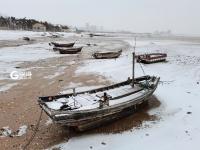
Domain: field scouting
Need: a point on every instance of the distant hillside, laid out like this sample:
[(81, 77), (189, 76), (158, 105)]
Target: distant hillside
[(26, 24)]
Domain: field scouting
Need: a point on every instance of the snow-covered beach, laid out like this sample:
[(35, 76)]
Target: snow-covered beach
[(177, 125), (178, 92)]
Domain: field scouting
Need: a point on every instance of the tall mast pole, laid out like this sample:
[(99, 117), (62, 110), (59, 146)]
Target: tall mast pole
[(133, 73)]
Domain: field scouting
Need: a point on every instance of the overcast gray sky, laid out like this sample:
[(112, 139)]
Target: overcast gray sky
[(181, 16)]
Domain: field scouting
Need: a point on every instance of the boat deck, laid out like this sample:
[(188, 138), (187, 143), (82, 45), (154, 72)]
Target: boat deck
[(90, 101)]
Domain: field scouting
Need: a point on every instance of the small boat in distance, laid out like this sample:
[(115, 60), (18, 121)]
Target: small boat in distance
[(26, 38), (151, 58), (107, 55), (62, 44), (69, 50)]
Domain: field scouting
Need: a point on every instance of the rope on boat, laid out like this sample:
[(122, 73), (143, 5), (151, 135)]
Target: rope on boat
[(147, 83), (34, 133), (142, 68)]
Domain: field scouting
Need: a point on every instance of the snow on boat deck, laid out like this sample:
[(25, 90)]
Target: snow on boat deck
[(91, 101)]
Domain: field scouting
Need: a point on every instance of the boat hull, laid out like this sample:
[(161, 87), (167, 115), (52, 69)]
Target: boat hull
[(63, 45), (70, 50), (90, 124), (151, 58), (144, 61), (107, 55)]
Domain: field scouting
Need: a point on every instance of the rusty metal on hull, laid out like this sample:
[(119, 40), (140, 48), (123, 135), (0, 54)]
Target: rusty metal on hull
[(151, 58)]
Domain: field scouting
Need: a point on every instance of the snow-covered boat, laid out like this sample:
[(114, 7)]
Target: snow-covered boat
[(73, 50), (89, 109), (151, 58), (62, 44), (107, 55), (93, 108)]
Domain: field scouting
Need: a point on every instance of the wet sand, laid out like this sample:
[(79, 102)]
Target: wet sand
[(18, 105)]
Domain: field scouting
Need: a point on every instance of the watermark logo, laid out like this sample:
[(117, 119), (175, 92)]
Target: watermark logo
[(20, 75)]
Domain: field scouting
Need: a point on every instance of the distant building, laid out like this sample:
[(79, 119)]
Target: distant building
[(39, 27)]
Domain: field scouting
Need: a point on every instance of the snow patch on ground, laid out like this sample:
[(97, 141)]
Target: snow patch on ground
[(22, 130), (7, 86), (60, 71), (10, 57), (7, 132), (17, 34), (112, 69)]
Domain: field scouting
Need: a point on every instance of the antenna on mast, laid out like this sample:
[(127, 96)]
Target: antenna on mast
[(133, 73), (135, 44)]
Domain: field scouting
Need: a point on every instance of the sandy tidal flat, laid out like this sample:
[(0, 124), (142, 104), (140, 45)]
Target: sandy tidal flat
[(172, 124)]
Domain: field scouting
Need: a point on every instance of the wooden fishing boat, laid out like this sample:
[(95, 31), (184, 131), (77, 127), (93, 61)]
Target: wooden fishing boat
[(62, 44), (92, 35), (107, 55), (69, 50), (151, 58), (89, 109)]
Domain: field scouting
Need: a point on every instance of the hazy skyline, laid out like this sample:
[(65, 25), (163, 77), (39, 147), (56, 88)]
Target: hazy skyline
[(180, 16)]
